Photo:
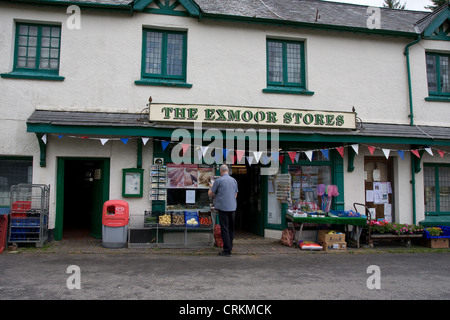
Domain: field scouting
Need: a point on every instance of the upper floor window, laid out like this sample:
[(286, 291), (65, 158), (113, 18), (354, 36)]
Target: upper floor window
[(286, 67), (36, 52), (438, 74), (164, 58)]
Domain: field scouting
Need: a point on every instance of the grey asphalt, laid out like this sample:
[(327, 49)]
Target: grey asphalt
[(182, 276)]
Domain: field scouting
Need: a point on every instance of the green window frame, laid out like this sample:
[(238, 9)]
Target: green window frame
[(438, 76), (286, 67), (13, 170), (164, 58), (437, 189), (36, 52)]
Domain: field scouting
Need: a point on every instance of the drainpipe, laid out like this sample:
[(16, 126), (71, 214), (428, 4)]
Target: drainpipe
[(411, 118), (406, 53)]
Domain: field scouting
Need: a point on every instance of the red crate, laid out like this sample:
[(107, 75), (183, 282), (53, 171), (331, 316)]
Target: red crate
[(3, 231), (20, 208)]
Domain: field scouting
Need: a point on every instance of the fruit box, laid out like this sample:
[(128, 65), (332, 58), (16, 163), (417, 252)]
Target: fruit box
[(334, 246), (436, 243), (324, 236)]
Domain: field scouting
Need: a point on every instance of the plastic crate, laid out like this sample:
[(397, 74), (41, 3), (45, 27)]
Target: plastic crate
[(188, 216), (3, 231), (446, 231), (151, 218)]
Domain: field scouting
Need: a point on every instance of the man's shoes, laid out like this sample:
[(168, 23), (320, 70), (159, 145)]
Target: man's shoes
[(224, 254)]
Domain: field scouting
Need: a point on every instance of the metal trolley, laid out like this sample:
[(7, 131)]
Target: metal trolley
[(29, 214)]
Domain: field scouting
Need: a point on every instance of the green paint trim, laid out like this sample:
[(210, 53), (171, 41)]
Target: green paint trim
[(140, 171), (31, 75), (437, 22), (438, 99), (408, 67), (162, 83), (288, 90), (127, 7)]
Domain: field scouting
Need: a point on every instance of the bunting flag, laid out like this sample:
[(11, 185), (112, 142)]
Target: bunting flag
[(204, 150), (371, 149), (309, 154), (225, 152), (103, 141), (240, 154), (324, 152), (184, 146), (44, 138), (297, 156), (250, 160), (428, 149), (145, 140), (199, 154), (124, 140), (275, 156), (341, 151), (60, 136), (386, 153), (257, 155), (401, 154), (292, 155), (265, 160), (441, 153), (355, 148), (281, 158), (164, 144), (218, 155), (416, 153)]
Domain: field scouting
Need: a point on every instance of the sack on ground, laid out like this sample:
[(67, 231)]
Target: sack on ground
[(287, 237), (218, 236)]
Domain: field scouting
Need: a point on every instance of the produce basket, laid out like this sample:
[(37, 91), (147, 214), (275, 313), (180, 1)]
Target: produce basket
[(191, 219), (178, 219), (151, 218)]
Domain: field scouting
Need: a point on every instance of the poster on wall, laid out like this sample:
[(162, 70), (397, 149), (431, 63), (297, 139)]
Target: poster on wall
[(188, 176)]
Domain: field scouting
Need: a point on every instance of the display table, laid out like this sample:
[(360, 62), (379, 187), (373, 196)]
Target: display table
[(357, 222)]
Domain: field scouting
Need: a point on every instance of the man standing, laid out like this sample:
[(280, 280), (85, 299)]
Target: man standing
[(225, 191)]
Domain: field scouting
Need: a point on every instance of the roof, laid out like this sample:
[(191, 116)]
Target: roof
[(129, 124), (308, 13)]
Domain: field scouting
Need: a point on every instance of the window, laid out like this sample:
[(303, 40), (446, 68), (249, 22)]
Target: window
[(164, 58), (437, 189), (438, 75), (36, 52), (13, 171), (286, 67)]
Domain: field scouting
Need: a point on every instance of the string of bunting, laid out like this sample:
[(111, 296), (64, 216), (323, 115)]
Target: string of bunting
[(258, 156)]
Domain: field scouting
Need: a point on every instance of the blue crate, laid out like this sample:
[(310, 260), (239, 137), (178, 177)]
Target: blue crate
[(446, 231), (191, 215)]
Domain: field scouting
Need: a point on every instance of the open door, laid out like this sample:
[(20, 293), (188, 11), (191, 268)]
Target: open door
[(82, 188)]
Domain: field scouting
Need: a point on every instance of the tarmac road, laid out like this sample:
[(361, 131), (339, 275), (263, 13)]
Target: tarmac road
[(405, 276)]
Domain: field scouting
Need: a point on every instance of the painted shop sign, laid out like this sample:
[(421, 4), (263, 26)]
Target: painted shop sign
[(255, 116)]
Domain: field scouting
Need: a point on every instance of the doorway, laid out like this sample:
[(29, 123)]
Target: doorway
[(249, 212), (378, 172), (82, 188)]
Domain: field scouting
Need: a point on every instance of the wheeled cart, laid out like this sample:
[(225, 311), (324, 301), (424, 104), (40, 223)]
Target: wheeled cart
[(29, 214)]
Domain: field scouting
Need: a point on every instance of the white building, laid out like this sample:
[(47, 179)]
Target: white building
[(76, 80)]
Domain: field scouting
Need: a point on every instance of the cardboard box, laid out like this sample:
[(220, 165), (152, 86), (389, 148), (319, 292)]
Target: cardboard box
[(334, 246), (437, 243), (324, 236)]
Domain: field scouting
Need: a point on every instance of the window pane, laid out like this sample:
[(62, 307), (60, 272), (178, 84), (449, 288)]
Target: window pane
[(445, 81), (174, 54), (444, 188), (275, 57), (13, 172), (430, 189), (294, 62), (431, 73), (153, 52)]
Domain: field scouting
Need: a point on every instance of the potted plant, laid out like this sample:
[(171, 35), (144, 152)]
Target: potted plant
[(434, 231)]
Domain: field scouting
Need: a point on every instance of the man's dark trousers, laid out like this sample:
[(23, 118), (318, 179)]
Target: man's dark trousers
[(226, 220)]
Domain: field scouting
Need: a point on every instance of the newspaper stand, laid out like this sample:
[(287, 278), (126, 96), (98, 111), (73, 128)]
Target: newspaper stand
[(29, 214)]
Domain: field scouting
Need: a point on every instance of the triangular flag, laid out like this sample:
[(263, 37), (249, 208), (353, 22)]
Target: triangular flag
[(164, 144), (145, 140), (44, 138), (355, 148), (199, 154), (309, 154), (103, 141), (416, 153), (250, 160), (60, 136), (441, 153), (239, 154), (371, 149), (325, 152), (204, 150), (265, 160), (257, 155), (124, 140), (428, 149), (218, 155), (292, 155), (297, 156), (281, 157), (401, 154), (341, 151), (185, 146), (275, 156), (225, 152), (386, 153)]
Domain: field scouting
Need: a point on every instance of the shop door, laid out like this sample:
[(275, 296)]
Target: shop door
[(378, 172), (82, 188), (249, 213)]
